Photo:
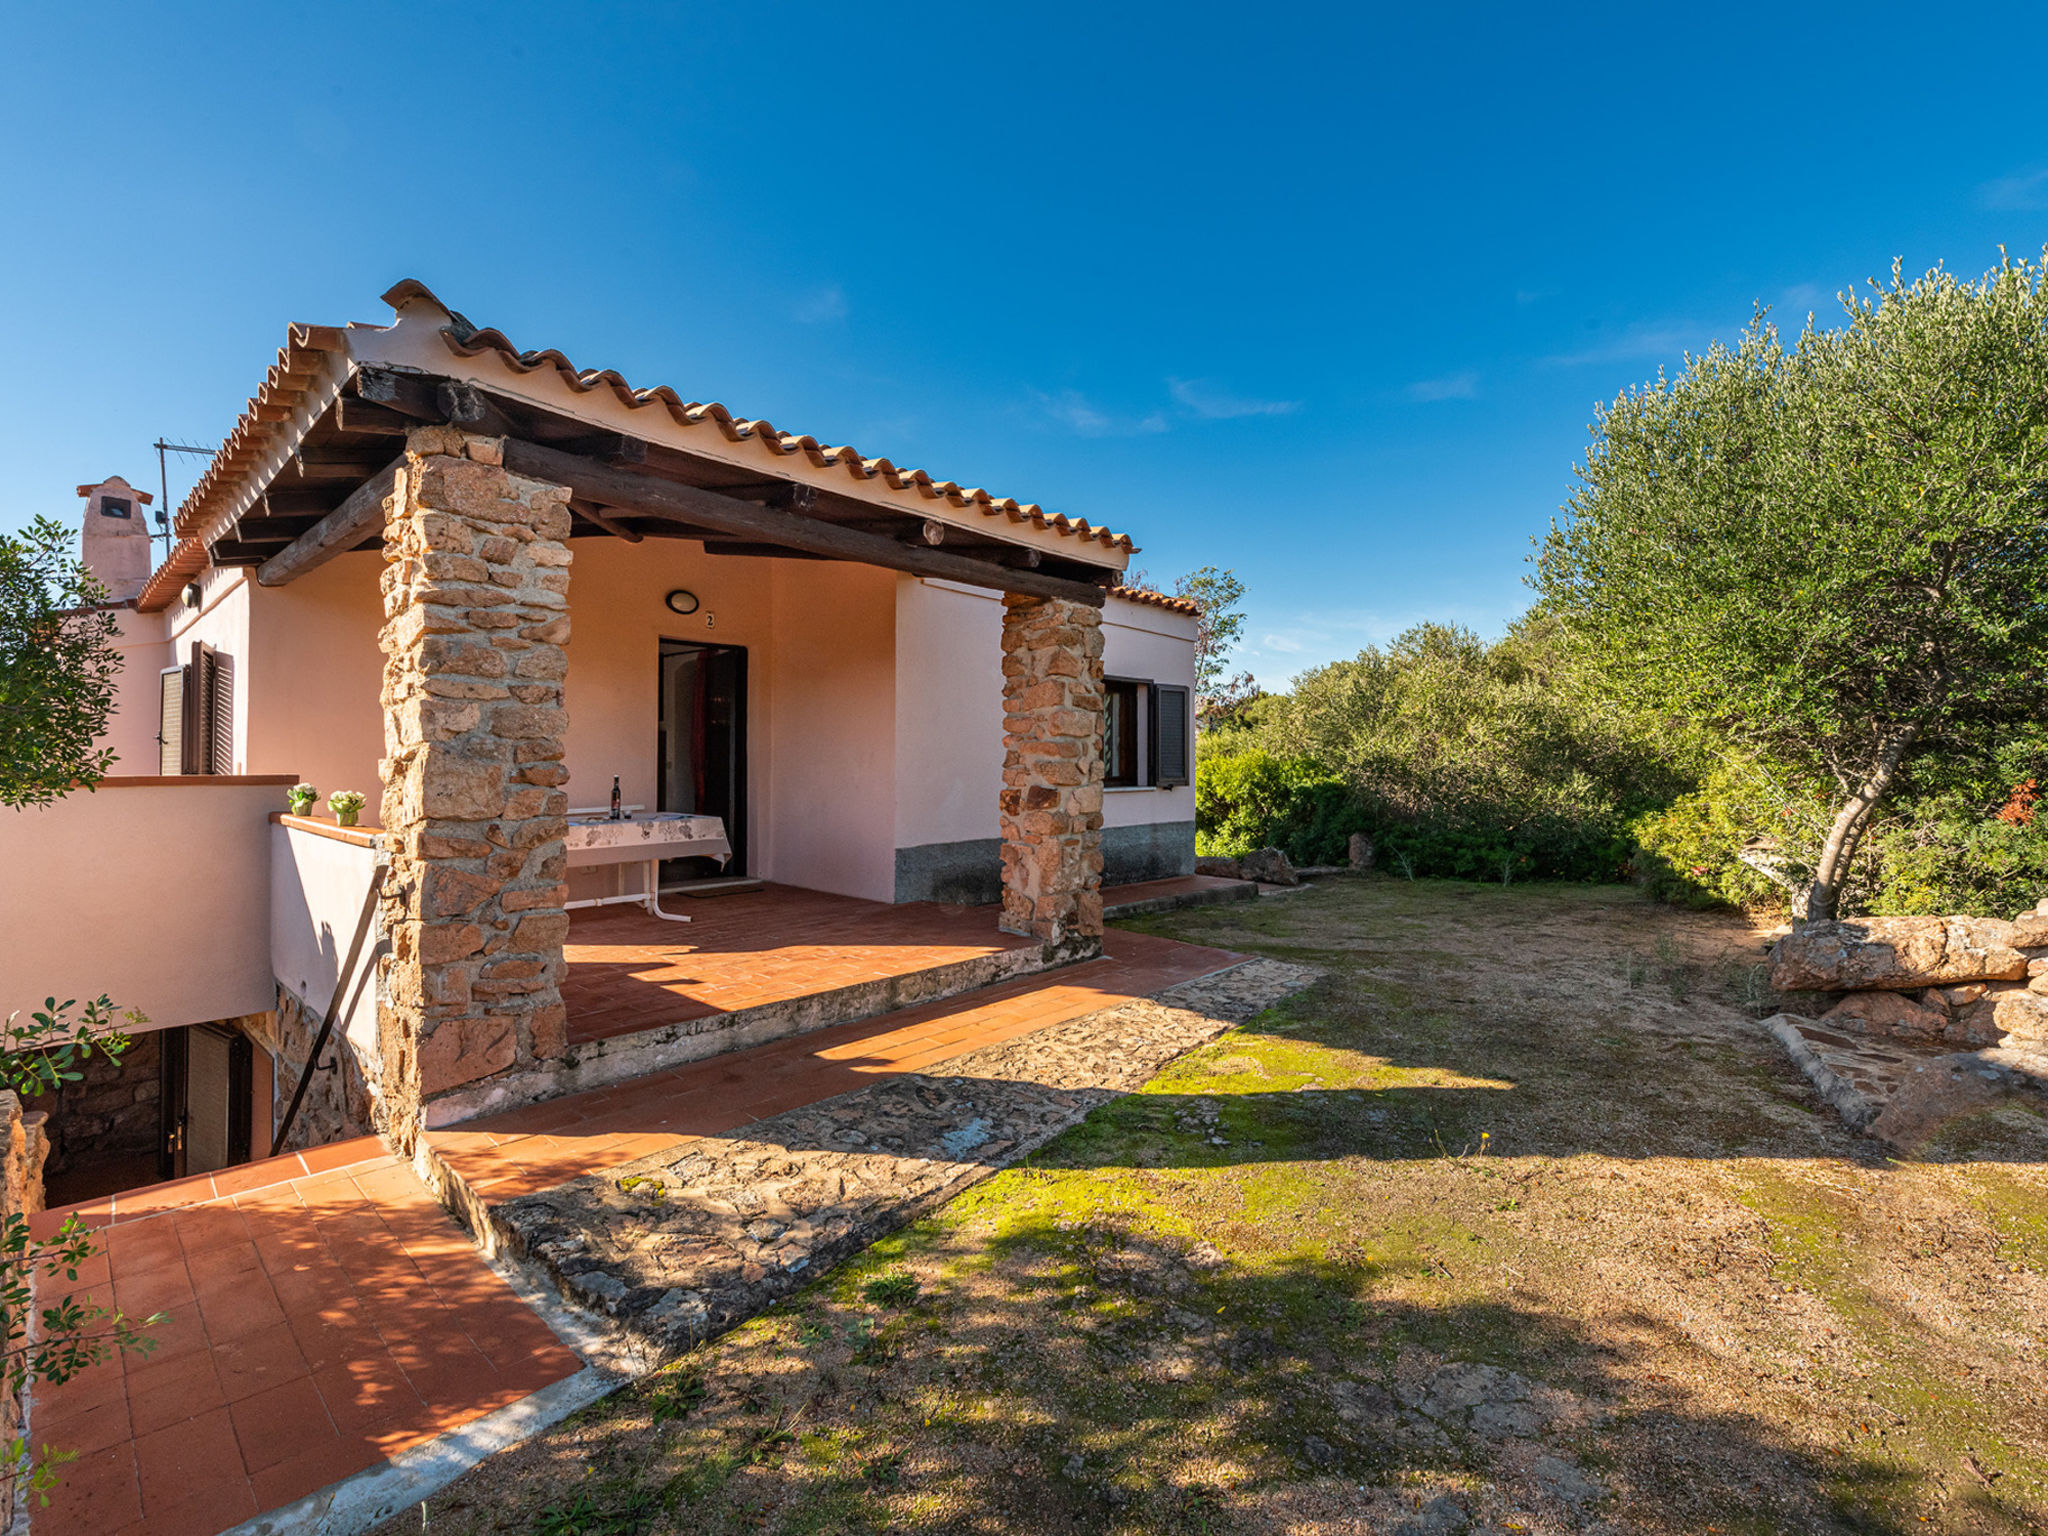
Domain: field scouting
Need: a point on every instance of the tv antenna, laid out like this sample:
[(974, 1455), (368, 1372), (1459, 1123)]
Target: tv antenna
[(163, 479)]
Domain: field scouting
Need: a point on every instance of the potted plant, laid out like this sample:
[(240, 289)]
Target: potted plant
[(345, 807), (300, 798)]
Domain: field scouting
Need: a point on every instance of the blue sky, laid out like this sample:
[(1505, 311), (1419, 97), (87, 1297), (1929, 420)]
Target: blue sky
[(1324, 295)]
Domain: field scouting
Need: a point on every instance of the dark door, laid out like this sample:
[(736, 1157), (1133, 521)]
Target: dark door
[(703, 767), (208, 1077)]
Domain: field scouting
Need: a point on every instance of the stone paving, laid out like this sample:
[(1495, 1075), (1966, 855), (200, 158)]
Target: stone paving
[(687, 1242), (1902, 1091)]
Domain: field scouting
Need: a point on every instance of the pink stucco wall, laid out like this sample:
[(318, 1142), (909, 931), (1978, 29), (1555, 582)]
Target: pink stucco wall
[(157, 894), (874, 709)]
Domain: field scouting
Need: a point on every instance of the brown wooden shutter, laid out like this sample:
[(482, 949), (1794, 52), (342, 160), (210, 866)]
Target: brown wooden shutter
[(1171, 744), (220, 712), (170, 721), (207, 712), (192, 717)]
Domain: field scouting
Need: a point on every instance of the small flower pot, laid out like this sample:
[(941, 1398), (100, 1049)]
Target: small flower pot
[(301, 807), (346, 818)]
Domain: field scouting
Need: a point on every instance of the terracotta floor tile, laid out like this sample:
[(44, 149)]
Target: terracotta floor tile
[(178, 1335), (86, 1425), (344, 1154), (134, 1246), (313, 1469), (239, 1311), (210, 1508), (44, 1225), (174, 1393), (256, 1362), (265, 1173), (163, 1197), (280, 1422), (178, 1462), (99, 1492), (365, 1392)]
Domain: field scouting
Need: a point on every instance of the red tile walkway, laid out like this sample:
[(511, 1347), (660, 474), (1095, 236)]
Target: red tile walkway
[(629, 971), (539, 1146), (323, 1314)]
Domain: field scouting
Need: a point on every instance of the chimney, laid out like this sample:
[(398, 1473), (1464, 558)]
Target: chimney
[(114, 540)]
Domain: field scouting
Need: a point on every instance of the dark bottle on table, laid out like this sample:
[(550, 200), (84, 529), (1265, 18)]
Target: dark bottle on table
[(617, 814)]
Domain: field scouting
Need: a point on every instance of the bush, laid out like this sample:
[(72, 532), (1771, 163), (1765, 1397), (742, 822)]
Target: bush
[(1461, 759)]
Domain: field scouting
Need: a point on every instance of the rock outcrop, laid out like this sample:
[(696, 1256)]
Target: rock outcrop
[(1897, 954), (1268, 866)]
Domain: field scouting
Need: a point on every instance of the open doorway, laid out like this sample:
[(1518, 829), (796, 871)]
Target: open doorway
[(208, 1095), (703, 747)]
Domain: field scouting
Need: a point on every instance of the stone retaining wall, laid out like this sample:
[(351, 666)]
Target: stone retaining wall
[(337, 1105), (1964, 981)]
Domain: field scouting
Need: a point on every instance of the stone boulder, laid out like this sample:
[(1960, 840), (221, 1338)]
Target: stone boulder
[(1268, 866), (1359, 852), (2011, 1012), (1902, 953), (2030, 931), (1888, 1013)]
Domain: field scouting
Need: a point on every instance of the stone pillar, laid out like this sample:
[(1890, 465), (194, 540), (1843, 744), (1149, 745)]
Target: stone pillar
[(476, 599), (1052, 773)]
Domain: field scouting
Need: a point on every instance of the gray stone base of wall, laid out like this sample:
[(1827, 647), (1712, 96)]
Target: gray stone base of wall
[(970, 873)]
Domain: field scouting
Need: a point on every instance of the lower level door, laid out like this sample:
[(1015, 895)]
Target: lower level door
[(207, 1102)]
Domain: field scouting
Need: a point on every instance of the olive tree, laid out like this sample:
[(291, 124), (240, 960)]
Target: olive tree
[(57, 667), (1837, 552)]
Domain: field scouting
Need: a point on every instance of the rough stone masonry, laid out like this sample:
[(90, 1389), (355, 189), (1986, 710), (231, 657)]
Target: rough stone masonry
[(476, 597), (1051, 803)]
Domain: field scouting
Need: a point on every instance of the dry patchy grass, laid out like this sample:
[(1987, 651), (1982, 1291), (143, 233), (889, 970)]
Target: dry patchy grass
[(1531, 1127)]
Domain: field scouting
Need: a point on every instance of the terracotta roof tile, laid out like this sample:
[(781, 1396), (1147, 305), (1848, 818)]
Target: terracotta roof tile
[(736, 429), (1153, 599), (183, 563), (268, 421)]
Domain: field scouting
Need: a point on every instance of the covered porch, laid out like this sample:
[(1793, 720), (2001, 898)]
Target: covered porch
[(896, 686)]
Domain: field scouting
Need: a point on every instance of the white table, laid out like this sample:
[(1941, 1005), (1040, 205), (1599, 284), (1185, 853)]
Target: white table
[(594, 838)]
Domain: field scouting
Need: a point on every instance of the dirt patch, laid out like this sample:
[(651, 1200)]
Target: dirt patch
[(1519, 1220)]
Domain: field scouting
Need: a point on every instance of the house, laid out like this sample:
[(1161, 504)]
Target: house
[(483, 587)]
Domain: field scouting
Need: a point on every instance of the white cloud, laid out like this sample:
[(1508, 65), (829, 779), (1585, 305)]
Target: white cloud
[(1456, 386), (1670, 339), (1071, 409), (1313, 637), (820, 306), (1213, 404), (2026, 192)]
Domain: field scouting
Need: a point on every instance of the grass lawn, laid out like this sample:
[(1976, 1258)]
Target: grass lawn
[(1530, 1128)]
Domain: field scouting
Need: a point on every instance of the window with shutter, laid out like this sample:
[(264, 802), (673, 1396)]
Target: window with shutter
[(170, 721), (1120, 756), (1172, 744), (206, 714)]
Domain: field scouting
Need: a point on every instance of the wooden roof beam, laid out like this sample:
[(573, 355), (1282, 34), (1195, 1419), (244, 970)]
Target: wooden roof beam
[(641, 495), (356, 519)]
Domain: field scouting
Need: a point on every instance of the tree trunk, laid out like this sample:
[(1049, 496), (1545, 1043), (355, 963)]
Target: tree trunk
[(1847, 831)]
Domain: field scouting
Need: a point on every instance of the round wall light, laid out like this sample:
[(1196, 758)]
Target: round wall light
[(193, 596), (680, 601)]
